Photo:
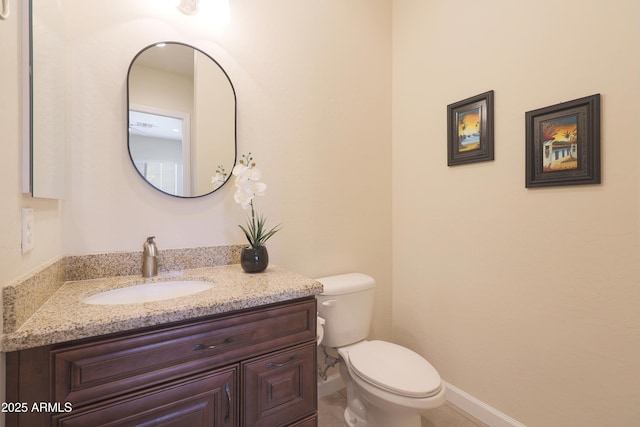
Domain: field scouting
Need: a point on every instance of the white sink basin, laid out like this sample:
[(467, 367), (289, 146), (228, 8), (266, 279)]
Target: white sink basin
[(156, 291)]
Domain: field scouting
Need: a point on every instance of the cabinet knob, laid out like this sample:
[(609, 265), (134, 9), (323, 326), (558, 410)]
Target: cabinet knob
[(280, 365), (227, 415), (199, 347)]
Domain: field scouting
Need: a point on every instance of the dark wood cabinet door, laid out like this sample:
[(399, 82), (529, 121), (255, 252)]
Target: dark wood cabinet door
[(208, 400), (280, 388), (103, 368)]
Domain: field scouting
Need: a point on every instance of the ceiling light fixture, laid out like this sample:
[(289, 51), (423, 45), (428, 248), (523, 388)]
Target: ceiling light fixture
[(189, 7), (215, 11)]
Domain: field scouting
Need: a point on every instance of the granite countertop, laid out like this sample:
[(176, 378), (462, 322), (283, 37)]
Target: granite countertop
[(64, 317)]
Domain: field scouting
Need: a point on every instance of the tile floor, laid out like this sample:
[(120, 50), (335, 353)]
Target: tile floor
[(331, 409)]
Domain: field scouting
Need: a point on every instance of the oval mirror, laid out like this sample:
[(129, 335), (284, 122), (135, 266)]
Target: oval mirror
[(182, 120)]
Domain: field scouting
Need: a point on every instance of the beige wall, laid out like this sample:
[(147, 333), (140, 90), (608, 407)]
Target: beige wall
[(314, 106), (526, 299)]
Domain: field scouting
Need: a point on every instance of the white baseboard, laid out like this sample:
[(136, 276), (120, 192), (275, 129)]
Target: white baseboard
[(332, 384), (479, 409), (469, 404)]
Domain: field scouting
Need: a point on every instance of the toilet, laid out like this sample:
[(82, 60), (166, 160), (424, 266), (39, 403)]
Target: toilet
[(387, 385)]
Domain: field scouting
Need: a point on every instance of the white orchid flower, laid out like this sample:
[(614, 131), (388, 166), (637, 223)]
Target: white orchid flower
[(246, 192), (218, 179), (239, 169), (254, 187), (248, 185), (243, 199), (245, 174)]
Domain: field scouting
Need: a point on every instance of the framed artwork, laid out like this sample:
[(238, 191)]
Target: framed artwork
[(563, 144), (470, 130)]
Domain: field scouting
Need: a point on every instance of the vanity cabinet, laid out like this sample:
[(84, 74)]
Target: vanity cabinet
[(254, 367), (275, 382), (205, 400)]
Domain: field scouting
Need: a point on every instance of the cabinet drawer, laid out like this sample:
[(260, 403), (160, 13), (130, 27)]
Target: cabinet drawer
[(207, 400), (279, 388), (105, 368)]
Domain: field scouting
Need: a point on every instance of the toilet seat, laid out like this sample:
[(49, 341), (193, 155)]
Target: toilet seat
[(394, 368)]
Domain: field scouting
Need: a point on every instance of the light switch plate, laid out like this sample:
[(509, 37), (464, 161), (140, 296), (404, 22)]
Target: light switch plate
[(27, 229)]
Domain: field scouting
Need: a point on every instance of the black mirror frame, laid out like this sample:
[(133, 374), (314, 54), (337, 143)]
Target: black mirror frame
[(235, 119)]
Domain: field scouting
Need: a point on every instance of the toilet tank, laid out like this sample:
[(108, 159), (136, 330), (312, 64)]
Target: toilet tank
[(346, 304)]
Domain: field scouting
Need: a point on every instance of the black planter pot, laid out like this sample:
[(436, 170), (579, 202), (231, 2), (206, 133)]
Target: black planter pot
[(254, 260)]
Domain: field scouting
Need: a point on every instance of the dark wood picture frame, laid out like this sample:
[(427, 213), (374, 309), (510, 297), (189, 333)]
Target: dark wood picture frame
[(563, 143), (470, 130)]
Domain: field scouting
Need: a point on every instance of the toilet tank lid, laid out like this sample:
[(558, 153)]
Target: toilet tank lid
[(346, 283)]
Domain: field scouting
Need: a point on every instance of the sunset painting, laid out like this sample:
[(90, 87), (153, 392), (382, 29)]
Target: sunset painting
[(559, 139), (469, 130), (563, 143)]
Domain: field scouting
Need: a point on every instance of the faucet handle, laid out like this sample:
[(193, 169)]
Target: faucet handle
[(149, 247), (149, 258)]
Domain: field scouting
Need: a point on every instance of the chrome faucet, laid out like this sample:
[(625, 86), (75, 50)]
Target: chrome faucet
[(149, 258)]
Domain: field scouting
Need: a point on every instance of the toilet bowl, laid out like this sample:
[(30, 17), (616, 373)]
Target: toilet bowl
[(387, 385), (394, 384)]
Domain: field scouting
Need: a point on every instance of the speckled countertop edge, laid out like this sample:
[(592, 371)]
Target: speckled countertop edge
[(22, 297), (64, 317)]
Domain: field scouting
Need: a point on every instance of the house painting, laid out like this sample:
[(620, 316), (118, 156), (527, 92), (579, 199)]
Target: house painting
[(560, 144)]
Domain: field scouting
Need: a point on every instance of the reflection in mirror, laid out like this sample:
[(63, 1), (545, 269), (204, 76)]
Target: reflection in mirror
[(45, 95), (182, 120), (159, 147)]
